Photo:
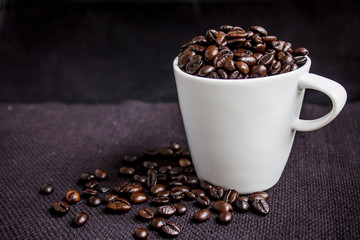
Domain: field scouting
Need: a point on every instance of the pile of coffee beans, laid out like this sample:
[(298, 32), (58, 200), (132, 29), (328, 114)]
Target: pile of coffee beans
[(164, 181), (233, 53)]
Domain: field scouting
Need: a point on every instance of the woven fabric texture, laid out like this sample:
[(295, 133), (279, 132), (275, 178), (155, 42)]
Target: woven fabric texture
[(317, 196)]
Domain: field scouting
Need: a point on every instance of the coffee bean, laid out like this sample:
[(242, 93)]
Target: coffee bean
[(177, 195), (266, 59), (202, 215), (151, 178), (130, 158), (81, 218), (203, 200), (300, 52), (260, 205), (166, 210), (198, 192), (164, 169), (126, 170), (87, 177), (189, 170), (175, 183), (221, 206), (242, 66), (257, 56), (61, 207), (278, 45), (222, 57), (139, 178), (294, 67), (146, 213), (92, 184), (90, 192), (171, 229), (184, 58), (161, 200), (242, 205), (217, 192), (193, 66), (269, 38), (72, 196), (211, 52), (275, 68), (225, 217), (221, 38), (234, 75), (110, 197), (184, 162), (222, 74), (150, 164), (121, 188), (287, 46), (249, 60), (176, 170), (181, 208), (231, 196), (157, 188), (138, 197), (237, 34), (255, 195), (190, 195), (94, 201), (300, 60), (100, 174), (165, 193), (152, 152), (119, 205), (158, 222), (192, 181), (258, 71), (285, 69), (141, 233), (167, 151), (259, 48), (181, 188), (206, 70), (287, 59), (211, 35), (259, 29), (197, 48), (46, 189), (199, 39), (204, 185)]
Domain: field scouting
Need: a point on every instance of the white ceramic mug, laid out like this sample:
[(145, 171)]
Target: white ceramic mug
[(240, 132)]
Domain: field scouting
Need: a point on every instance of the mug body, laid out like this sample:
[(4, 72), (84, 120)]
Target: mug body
[(240, 131)]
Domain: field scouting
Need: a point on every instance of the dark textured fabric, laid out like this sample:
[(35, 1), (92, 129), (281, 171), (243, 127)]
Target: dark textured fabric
[(317, 196)]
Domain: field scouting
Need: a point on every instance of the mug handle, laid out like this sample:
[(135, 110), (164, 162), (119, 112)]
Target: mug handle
[(332, 89)]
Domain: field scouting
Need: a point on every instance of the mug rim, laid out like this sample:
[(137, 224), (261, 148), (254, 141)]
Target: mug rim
[(303, 69)]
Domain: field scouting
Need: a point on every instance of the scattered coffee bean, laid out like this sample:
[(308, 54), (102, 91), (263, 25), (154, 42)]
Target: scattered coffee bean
[(242, 205), (171, 229), (231, 196), (130, 158), (181, 208), (161, 200), (138, 197), (206, 186), (92, 184), (181, 188), (222, 206), (166, 210), (146, 213), (174, 145), (119, 205), (177, 195), (190, 195), (158, 222), (217, 192), (90, 192), (176, 170), (72, 196), (141, 233), (157, 188), (165, 193), (139, 178), (94, 201), (151, 178), (202, 215), (260, 205), (198, 192), (184, 162), (203, 200), (46, 189), (110, 197), (166, 151), (225, 217), (164, 169), (61, 207), (81, 218), (87, 177), (254, 195), (100, 174), (150, 164), (126, 170)]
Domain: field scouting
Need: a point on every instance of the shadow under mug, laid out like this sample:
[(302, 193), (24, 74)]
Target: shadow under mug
[(240, 132)]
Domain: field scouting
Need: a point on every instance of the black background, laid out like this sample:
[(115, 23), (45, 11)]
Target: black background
[(108, 51)]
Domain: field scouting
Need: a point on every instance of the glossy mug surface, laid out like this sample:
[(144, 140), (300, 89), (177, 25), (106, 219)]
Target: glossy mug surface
[(240, 132)]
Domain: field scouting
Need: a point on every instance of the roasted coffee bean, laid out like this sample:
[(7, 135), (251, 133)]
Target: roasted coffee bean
[(181, 188), (166, 210), (210, 52), (300, 60), (184, 58), (87, 177), (139, 178), (130, 158), (141, 233), (222, 57), (222, 74), (248, 44), (255, 195), (300, 52), (165, 193), (269, 38), (46, 189), (231, 196), (221, 206), (206, 70), (202, 215), (81, 218), (198, 192), (176, 170), (174, 145), (190, 195), (171, 229), (61, 207), (176, 182), (275, 68), (126, 170), (199, 39), (260, 47), (190, 170), (225, 217), (234, 75), (204, 185), (203, 200), (240, 52), (184, 162), (294, 67), (110, 197), (214, 75), (161, 200), (181, 208), (157, 188), (182, 178), (287, 46), (72, 196), (217, 192), (138, 197), (211, 35), (287, 59), (150, 164), (146, 213), (260, 205), (168, 151), (259, 29), (285, 69), (242, 205), (243, 67), (151, 178), (92, 184), (151, 152), (249, 60), (257, 56), (193, 66), (158, 222), (258, 71), (237, 34), (121, 188), (278, 45), (100, 174), (94, 201), (177, 195), (192, 181), (280, 55), (257, 38), (164, 169), (221, 38), (236, 41), (90, 192), (266, 59), (119, 205), (135, 187), (197, 48)]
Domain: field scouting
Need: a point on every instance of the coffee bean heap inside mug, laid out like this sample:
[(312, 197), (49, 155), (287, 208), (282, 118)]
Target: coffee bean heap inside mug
[(164, 182), (233, 53)]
